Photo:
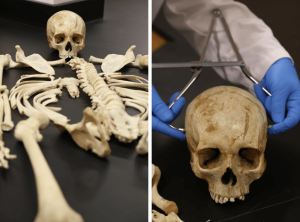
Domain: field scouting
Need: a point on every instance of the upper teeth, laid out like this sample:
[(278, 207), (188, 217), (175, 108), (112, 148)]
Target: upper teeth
[(221, 200)]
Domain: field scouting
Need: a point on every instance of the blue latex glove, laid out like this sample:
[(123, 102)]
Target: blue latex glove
[(161, 115), (282, 81)]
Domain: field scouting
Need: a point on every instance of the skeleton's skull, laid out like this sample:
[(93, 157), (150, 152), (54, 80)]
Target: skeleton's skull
[(66, 33), (226, 130)]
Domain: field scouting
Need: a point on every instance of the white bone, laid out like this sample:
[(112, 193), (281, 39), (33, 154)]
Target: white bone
[(152, 170), (52, 205), (66, 29), (83, 136), (35, 61), (136, 62), (4, 151), (171, 217), (71, 85), (4, 62), (113, 63), (114, 78), (121, 83), (140, 61), (7, 124), (108, 103), (142, 147), (47, 91), (157, 200), (226, 131)]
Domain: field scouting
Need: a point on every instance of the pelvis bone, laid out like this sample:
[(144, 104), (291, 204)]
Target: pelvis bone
[(226, 130), (82, 133)]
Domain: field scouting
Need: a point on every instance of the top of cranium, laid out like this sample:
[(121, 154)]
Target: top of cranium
[(65, 22), (226, 116)]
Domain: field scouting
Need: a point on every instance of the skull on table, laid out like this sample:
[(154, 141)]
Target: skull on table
[(66, 33), (226, 130)]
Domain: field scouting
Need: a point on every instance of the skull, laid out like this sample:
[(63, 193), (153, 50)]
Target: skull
[(226, 130), (66, 33)]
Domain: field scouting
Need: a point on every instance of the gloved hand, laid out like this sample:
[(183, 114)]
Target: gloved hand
[(282, 81), (161, 115)]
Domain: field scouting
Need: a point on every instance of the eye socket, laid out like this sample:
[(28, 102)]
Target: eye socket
[(77, 38), (249, 158), (209, 158), (59, 38)]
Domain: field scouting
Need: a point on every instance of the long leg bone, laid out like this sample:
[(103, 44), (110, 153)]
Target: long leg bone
[(165, 205), (82, 135), (52, 205), (171, 217)]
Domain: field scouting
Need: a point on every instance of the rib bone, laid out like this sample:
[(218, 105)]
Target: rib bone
[(52, 206), (165, 205)]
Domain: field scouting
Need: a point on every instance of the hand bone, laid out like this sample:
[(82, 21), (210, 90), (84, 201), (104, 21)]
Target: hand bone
[(52, 206)]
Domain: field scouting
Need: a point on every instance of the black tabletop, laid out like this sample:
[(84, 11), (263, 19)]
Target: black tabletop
[(111, 189), (276, 195)]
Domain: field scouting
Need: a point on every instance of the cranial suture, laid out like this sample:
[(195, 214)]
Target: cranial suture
[(226, 130)]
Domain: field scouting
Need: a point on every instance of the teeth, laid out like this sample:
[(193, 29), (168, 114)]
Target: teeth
[(231, 199), (225, 200), (241, 197), (217, 199), (221, 200)]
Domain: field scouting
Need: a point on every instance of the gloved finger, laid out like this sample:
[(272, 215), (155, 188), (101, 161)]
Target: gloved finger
[(260, 93), (278, 106), (177, 107), (172, 98), (164, 128), (290, 121), (263, 83), (159, 108)]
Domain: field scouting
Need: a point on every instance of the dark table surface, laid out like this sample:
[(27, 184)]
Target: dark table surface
[(276, 195), (111, 189)]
